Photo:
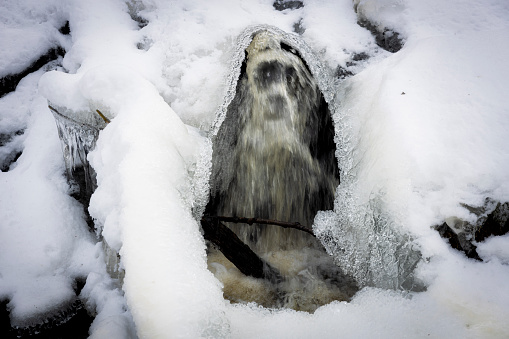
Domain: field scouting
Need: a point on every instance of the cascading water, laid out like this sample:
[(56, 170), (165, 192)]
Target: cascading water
[(275, 151), (274, 159), (265, 163)]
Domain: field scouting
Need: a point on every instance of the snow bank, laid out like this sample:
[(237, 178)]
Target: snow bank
[(425, 130), (28, 29), (143, 161), (44, 238)]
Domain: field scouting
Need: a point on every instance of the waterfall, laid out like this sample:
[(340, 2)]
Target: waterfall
[(274, 152), (274, 159)]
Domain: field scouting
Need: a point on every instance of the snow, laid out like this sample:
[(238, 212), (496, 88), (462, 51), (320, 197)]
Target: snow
[(29, 29), (142, 160), (44, 242), (421, 131)]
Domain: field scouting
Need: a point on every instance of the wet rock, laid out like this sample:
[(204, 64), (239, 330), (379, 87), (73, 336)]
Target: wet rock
[(65, 29), (10, 149), (134, 8), (70, 323), (348, 71), (298, 28), (385, 38), (281, 5), (9, 82), (492, 220), (496, 223), (461, 242)]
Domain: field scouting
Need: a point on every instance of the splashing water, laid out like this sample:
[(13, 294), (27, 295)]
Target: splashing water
[(363, 238), (274, 152), (274, 159)]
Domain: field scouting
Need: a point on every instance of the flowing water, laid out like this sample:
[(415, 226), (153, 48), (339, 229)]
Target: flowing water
[(274, 159)]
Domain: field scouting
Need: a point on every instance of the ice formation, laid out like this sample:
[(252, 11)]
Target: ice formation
[(78, 139)]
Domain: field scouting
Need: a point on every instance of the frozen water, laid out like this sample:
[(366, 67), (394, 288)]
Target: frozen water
[(77, 139)]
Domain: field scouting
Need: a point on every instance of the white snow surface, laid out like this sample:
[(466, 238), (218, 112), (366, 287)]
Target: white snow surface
[(28, 29), (425, 127)]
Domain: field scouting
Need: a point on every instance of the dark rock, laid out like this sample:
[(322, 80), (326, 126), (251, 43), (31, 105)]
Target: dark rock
[(247, 261), (492, 220), (134, 8), (355, 60), (65, 29), (71, 323), (141, 21), (496, 223), (385, 38), (298, 28), (82, 191), (12, 149), (9, 82), (281, 5), (457, 241), (342, 73), (5, 324), (360, 56)]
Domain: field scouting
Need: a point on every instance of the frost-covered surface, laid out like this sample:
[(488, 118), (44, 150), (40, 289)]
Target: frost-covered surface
[(28, 29), (422, 131)]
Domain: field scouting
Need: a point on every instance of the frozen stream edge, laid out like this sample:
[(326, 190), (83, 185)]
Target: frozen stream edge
[(361, 237)]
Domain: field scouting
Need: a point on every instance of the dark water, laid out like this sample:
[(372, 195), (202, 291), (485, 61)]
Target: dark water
[(73, 322)]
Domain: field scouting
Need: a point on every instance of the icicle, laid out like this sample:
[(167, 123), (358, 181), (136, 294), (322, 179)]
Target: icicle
[(77, 140)]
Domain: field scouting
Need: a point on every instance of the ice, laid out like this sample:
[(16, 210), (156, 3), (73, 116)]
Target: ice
[(365, 243), (77, 141)]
